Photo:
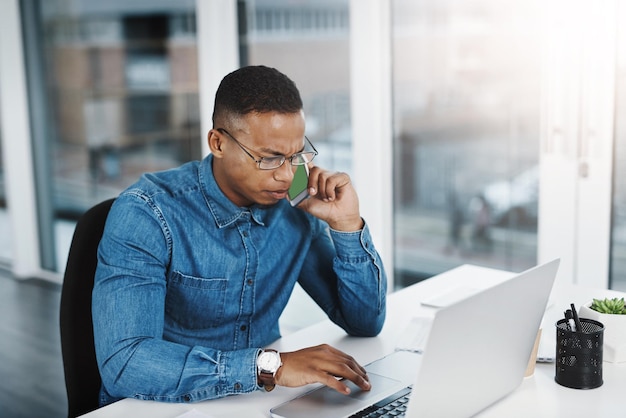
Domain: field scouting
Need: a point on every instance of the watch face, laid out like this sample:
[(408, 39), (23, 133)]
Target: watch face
[(269, 361)]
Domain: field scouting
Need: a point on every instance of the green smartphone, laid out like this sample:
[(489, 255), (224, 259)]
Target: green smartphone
[(299, 189)]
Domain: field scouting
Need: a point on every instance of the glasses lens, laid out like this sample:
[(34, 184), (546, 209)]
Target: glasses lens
[(269, 163), (302, 158)]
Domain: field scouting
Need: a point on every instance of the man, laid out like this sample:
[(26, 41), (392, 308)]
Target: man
[(197, 263)]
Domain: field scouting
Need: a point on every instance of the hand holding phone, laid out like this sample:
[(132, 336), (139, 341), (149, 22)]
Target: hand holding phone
[(334, 199)]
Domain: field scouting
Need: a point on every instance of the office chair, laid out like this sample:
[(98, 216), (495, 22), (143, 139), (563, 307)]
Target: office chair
[(82, 378)]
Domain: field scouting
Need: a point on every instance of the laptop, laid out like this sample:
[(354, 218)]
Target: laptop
[(476, 353)]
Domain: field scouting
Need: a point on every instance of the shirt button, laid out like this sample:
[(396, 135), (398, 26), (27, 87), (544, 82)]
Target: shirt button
[(187, 398), (243, 328), (245, 233), (250, 281), (237, 386)]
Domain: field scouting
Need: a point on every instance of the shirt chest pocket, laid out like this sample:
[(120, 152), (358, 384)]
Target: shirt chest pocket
[(196, 302)]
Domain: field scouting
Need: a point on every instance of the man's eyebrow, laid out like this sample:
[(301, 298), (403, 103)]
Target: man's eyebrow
[(279, 154), (270, 151)]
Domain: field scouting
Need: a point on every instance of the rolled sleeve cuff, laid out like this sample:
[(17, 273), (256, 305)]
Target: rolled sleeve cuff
[(238, 371)]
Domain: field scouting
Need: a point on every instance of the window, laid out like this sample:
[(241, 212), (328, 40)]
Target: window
[(308, 40), (618, 235), (466, 94), (113, 92), (118, 85), (5, 224)]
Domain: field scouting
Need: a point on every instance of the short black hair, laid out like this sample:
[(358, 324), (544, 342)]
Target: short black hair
[(255, 89)]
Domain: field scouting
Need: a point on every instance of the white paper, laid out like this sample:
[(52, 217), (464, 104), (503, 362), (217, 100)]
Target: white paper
[(415, 334)]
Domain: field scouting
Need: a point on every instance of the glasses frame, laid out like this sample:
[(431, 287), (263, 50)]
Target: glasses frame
[(265, 159)]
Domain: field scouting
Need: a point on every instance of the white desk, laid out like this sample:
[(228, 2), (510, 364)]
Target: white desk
[(537, 396)]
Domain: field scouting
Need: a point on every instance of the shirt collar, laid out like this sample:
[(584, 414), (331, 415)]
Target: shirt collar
[(223, 210)]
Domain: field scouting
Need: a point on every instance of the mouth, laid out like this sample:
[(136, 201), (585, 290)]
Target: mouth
[(278, 194)]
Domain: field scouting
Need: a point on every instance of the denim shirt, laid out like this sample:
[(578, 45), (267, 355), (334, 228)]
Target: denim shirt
[(189, 286)]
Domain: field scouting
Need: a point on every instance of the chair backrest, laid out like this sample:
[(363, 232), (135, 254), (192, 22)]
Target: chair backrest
[(82, 378)]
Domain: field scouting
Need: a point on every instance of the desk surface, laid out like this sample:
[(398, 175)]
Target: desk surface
[(538, 395)]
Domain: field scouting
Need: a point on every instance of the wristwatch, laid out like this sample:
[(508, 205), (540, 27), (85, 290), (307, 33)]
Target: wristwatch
[(268, 363)]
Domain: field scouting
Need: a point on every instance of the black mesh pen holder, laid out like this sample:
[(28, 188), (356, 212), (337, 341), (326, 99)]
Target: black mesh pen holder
[(579, 354)]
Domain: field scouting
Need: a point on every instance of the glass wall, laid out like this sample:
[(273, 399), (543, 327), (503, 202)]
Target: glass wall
[(114, 93), (113, 90), (617, 279), (466, 108), (308, 40), (5, 224)]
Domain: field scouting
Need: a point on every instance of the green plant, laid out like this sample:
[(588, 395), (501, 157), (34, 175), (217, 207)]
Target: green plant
[(609, 306)]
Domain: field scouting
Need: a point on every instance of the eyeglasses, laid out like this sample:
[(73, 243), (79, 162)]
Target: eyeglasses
[(271, 163)]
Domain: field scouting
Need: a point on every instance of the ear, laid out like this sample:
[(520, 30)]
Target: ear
[(214, 139)]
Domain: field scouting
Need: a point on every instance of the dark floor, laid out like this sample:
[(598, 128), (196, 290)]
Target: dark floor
[(31, 369)]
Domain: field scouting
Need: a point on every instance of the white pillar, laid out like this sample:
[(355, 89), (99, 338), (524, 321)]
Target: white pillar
[(372, 134)]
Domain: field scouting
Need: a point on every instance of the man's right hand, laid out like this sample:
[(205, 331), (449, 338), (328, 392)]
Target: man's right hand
[(321, 364)]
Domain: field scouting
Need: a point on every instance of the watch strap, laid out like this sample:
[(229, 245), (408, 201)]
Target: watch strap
[(267, 380)]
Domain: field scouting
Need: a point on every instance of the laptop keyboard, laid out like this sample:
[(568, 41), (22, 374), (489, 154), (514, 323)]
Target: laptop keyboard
[(392, 406)]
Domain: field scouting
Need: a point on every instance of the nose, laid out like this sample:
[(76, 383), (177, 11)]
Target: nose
[(285, 172)]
